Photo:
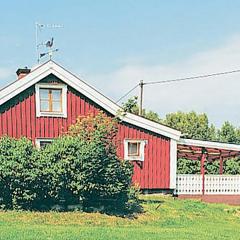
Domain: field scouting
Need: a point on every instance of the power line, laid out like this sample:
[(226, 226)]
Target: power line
[(127, 93), (179, 80), (193, 77)]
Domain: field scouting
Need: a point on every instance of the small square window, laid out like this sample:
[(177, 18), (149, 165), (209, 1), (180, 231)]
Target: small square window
[(134, 150), (51, 100), (43, 142)]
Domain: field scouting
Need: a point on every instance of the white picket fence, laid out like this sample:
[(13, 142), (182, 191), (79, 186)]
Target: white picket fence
[(191, 184)]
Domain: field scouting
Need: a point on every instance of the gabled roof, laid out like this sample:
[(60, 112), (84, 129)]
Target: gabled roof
[(51, 67)]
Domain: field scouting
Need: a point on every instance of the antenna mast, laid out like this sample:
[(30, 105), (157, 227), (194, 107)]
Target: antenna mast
[(48, 44)]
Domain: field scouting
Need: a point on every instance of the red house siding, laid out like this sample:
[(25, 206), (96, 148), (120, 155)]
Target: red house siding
[(18, 118)]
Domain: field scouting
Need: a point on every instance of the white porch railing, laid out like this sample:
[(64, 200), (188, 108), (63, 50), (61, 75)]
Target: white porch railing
[(191, 184)]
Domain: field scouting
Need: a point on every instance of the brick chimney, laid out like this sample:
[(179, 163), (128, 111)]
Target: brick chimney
[(22, 72)]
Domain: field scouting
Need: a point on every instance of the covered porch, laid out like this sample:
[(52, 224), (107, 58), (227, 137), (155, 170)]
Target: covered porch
[(210, 188)]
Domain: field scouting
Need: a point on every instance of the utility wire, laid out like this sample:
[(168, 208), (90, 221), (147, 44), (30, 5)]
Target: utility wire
[(191, 78), (179, 80), (127, 93)]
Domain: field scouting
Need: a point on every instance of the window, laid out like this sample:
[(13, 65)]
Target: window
[(51, 100), (134, 150), (42, 142)]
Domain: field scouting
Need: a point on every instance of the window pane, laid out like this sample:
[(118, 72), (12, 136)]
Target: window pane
[(44, 106), (56, 94), (133, 149), (44, 93), (56, 106), (43, 144)]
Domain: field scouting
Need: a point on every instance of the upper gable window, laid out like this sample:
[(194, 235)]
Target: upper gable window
[(51, 100)]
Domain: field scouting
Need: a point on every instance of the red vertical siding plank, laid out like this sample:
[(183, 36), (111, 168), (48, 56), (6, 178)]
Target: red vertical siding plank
[(150, 162), (158, 149), (55, 127), (50, 129), (9, 122), (28, 117), (42, 128), (18, 120), (86, 108), (4, 118), (155, 170), (78, 106), (0, 124), (23, 119), (73, 105), (69, 109), (33, 117), (14, 122)]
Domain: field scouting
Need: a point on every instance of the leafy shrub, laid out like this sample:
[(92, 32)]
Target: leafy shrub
[(186, 166), (18, 173), (232, 166), (80, 171), (78, 168)]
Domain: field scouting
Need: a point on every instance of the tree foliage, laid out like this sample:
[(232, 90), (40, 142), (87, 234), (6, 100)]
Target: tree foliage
[(131, 106)]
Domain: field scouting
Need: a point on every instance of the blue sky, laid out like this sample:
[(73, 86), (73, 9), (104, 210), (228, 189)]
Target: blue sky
[(113, 44)]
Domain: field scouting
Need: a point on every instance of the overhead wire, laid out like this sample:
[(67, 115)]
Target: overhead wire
[(127, 93), (193, 77), (179, 80)]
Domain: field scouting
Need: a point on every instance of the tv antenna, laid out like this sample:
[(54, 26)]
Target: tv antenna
[(48, 44)]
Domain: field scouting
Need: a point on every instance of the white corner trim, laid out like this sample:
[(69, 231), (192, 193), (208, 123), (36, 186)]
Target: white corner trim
[(142, 150), (62, 114), (39, 140), (51, 67), (173, 163)]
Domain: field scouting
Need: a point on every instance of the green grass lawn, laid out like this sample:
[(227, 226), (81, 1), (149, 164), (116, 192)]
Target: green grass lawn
[(164, 218)]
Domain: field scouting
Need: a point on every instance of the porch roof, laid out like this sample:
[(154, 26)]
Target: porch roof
[(193, 149)]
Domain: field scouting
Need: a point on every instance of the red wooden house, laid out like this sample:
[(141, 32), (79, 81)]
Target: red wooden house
[(42, 103)]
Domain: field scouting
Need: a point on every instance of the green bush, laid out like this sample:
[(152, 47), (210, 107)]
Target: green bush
[(79, 171), (80, 168), (186, 166), (18, 173)]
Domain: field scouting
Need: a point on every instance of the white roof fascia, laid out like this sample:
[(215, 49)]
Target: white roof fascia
[(87, 90), (209, 144)]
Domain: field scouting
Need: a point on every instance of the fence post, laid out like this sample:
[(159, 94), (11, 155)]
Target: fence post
[(203, 158)]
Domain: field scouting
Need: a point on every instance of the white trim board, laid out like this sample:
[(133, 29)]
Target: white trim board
[(51, 67), (173, 164), (209, 144)]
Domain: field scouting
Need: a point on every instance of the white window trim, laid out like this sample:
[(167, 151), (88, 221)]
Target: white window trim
[(62, 114), (38, 141), (142, 147)]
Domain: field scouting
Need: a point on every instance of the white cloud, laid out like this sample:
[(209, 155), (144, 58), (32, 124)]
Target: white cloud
[(219, 97), (5, 73)]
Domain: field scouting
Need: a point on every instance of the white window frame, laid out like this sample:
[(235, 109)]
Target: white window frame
[(141, 149), (38, 141), (63, 113)]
